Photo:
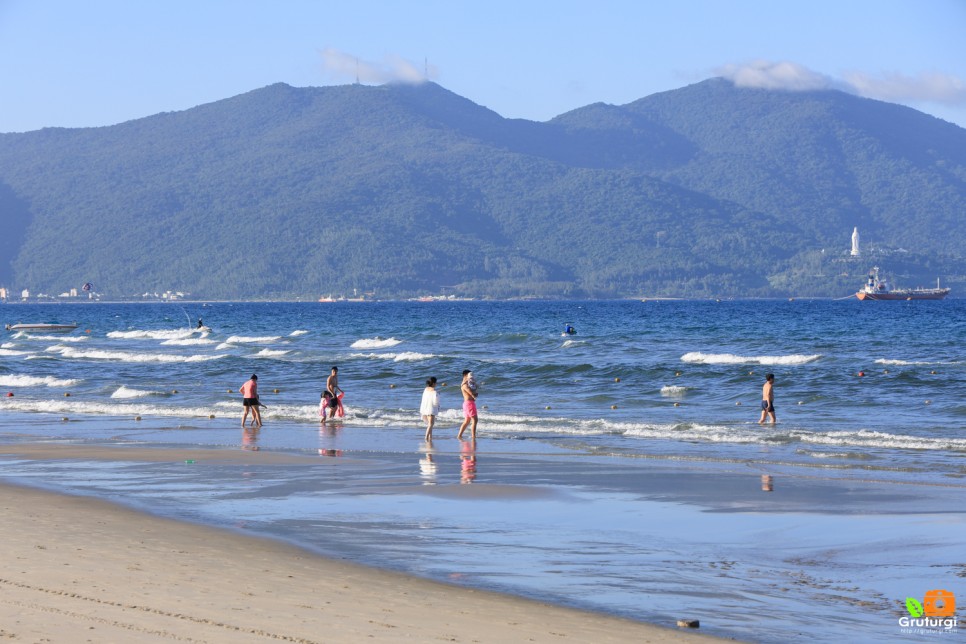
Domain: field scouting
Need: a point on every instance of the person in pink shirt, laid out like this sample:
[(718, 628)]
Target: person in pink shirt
[(249, 392)]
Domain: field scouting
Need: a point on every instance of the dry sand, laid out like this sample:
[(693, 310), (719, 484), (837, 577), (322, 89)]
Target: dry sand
[(76, 569)]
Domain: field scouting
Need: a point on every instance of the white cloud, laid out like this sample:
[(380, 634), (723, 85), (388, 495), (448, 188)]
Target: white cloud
[(391, 69), (771, 75), (931, 87)]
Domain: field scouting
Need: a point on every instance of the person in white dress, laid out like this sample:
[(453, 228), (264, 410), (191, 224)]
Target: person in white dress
[(429, 407)]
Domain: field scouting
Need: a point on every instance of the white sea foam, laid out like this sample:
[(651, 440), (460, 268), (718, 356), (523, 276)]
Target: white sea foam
[(271, 353), (572, 343), (222, 346), (298, 332), (673, 390), (129, 392), (375, 343), (13, 380), (127, 356), (697, 357), (188, 342), (62, 338), (73, 407), (847, 455), (157, 334), (918, 363), (405, 356), (246, 339), (866, 438), (7, 345), (12, 352)]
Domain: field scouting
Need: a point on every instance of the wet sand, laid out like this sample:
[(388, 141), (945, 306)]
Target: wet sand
[(822, 554), (78, 569)]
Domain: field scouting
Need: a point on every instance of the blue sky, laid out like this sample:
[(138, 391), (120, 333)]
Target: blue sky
[(73, 63)]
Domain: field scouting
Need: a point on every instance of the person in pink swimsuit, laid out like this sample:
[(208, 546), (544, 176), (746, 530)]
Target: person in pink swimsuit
[(249, 392), (470, 415)]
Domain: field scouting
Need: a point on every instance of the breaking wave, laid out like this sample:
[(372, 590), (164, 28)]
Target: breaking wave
[(127, 356), (375, 343), (696, 357), (36, 381), (162, 334), (129, 392)]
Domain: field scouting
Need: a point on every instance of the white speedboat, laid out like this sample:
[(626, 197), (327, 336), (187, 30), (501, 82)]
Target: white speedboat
[(42, 328)]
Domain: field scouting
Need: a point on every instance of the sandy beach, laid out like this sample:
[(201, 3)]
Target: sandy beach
[(78, 569)]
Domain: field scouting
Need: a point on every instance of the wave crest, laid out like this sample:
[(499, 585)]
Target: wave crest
[(36, 381), (697, 357), (129, 392), (158, 334), (375, 343)]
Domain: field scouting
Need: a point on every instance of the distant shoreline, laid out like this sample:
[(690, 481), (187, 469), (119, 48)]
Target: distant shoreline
[(642, 299)]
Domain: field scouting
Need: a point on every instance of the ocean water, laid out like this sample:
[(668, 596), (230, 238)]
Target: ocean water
[(598, 420), (690, 373)]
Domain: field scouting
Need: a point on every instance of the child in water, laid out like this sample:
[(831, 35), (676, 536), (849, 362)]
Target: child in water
[(471, 383), (327, 405)]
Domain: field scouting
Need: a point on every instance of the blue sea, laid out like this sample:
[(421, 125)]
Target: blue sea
[(615, 431)]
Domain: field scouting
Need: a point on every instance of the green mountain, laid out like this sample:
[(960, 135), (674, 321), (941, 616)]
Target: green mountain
[(403, 190)]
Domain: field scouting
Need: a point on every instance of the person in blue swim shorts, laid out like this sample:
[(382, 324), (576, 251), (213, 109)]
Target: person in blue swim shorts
[(768, 400)]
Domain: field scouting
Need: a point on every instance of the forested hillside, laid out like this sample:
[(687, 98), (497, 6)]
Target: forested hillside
[(406, 190)]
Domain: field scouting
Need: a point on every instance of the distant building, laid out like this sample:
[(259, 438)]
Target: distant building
[(855, 242), (25, 294)]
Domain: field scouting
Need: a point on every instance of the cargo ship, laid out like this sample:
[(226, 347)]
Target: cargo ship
[(880, 289)]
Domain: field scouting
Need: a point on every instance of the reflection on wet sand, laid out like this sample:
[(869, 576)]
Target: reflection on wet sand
[(250, 438), (427, 470), (467, 461), (326, 433), (427, 466)]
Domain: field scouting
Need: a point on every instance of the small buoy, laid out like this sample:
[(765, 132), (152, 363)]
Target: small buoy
[(65, 419), (861, 374), (87, 331), (928, 402), (274, 391), (677, 373), (189, 461), (613, 406), (66, 394), (137, 418), (548, 407), (9, 394), (392, 386), (801, 402), (617, 379), (689, 623), (885, 371), (677, 404), (230, 391), (174, 391), (443, 385), (211, 416), (738, 403), (933, 372), (766, 483), (751, 373)]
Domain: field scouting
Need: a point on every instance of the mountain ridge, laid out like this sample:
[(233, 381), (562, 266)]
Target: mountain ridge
[(708, 190)]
